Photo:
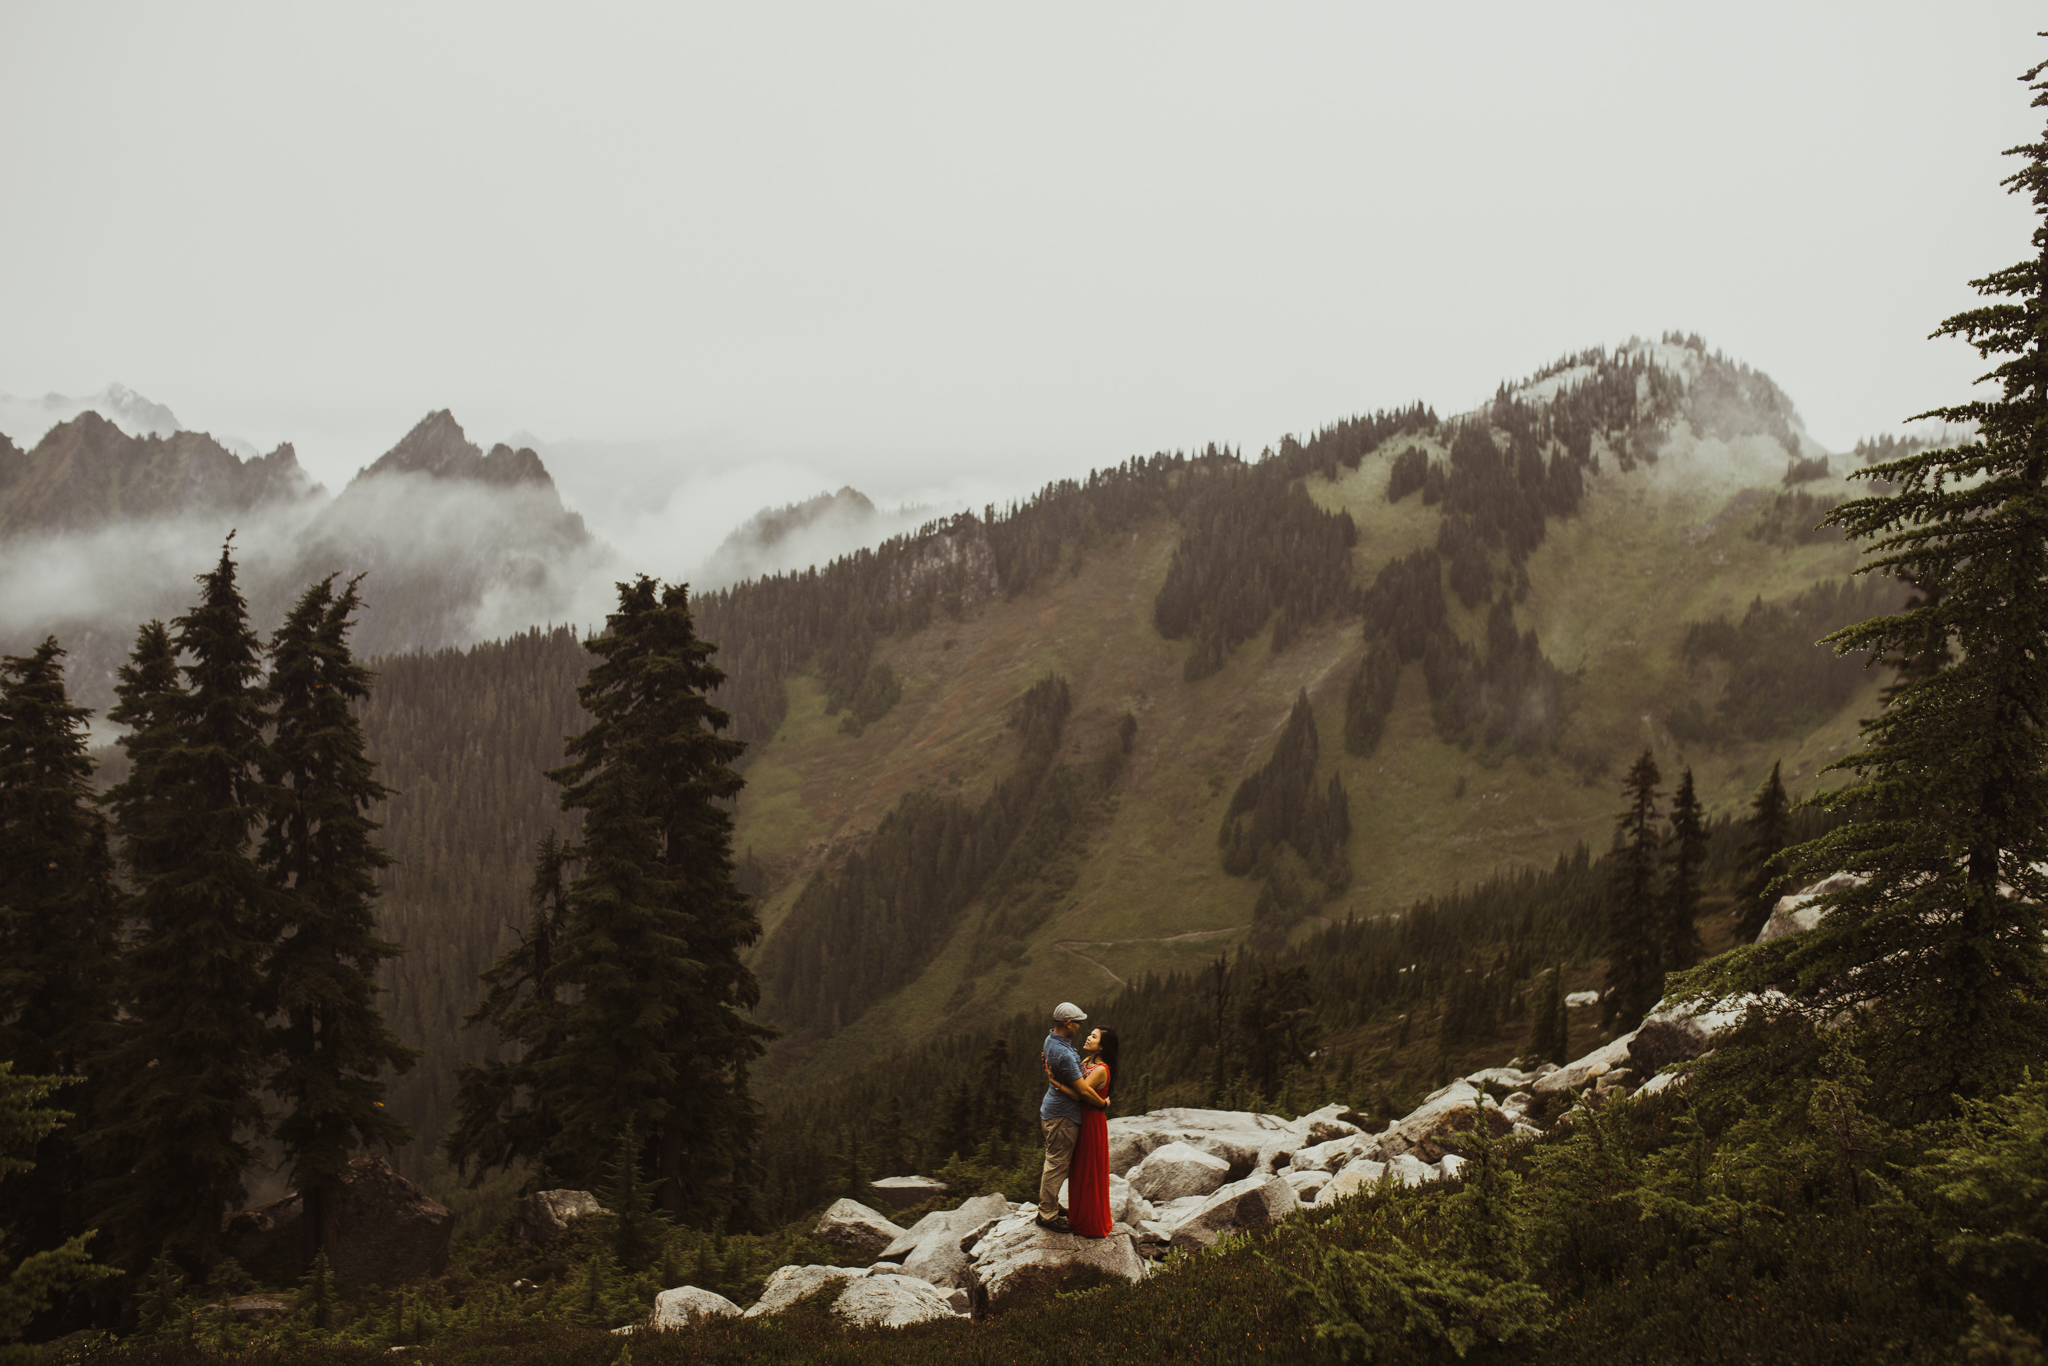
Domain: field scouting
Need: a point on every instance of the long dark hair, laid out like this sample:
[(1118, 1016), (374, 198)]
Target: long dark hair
[(1110, 1051)]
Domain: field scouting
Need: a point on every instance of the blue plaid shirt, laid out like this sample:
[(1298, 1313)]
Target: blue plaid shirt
[(1066, 1067)]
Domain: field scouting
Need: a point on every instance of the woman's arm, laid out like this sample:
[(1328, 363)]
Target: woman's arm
[(1084, 1089)]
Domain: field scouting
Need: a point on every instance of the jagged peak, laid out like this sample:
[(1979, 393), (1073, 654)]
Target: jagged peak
[(437, 446)]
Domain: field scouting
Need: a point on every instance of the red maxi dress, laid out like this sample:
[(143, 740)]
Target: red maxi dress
[(1088, 1178)]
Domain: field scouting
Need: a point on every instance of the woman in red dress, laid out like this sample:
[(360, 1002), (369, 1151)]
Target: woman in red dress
[(1088, 1180)]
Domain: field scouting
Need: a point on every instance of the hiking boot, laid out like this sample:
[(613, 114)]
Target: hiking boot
[(1057, 1224)]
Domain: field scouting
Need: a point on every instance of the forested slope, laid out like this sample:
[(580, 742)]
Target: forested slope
[(1364, 669)]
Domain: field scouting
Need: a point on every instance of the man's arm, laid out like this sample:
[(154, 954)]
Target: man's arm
[(1064, 1064)]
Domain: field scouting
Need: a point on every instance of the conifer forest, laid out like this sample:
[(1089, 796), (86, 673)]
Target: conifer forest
[(1417, 752)]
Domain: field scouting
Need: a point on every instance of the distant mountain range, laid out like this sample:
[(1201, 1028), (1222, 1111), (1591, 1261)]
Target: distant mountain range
[(101, 530)]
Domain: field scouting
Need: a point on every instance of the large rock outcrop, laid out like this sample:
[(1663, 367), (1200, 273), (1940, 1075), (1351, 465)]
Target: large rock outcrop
[(855, 1227), (1253, 1202), (383, 1231), (1016, 1257), (546, 1215)]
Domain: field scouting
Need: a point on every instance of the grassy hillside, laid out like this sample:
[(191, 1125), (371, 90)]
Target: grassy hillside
[(1610, 593)]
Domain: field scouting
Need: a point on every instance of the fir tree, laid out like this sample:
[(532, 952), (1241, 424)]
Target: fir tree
[(59, 931), (1634, 927), (1943, 929), (1549, 1032), (1770, 830), (658, 1037), (191, 1062), (321, 857), (502, 1112), (1687, 850)]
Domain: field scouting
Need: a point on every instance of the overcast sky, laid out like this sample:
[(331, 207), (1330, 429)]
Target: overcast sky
[(967, 247)]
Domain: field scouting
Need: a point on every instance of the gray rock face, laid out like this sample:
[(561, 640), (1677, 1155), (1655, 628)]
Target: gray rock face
[(891, 1302), (1016, 1257), (259, 1308), (791, 1283), (545, 1215), (855, 1227), (1426, 1131), (1410, 1170), (1178, 1170), (684, 1305), (901, 1192), (1324, 1126), (384, 1230), (1307, 1184), (1356, 1176), (931, 1249), (1250, 1203), (1587, 1070), (1798, 912)]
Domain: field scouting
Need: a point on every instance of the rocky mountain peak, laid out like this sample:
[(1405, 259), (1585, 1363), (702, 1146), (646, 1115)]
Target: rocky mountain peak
[(438, 446)]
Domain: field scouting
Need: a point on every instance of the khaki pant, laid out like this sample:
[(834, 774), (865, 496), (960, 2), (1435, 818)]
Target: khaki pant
[(1060, 1137)]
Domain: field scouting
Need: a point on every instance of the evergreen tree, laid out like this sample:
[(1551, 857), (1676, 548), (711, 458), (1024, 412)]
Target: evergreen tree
[(502, 1113), (657, 1037), (190, 1064), (1634, 926), (1770, 830), (1549, 1032), (1687, 850), (59, 932), (321, 857), (1950, 800)]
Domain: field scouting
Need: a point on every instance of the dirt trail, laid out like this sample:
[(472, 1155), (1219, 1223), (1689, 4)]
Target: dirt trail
[(1074, 946)]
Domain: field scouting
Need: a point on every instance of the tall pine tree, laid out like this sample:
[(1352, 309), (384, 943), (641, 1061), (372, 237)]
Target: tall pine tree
[(59, 934), (1687, 852), (1634, 923), (189, 1068), (658, 1036), (321, 856), (1770, 830), (1949, 808)]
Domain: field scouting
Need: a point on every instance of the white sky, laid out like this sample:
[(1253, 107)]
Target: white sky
[(969, 247)]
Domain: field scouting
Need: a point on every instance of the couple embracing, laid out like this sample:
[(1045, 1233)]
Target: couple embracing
[(1075, 1116)]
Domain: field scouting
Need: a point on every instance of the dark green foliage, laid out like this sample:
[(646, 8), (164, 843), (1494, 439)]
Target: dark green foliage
[(1405, 604), (1770, 830), (1991, 1180), (1510, 697), (1795, 518), (636, 1229), (657, 1035), (1804, 470), (1409, 472), (1379, 1302), (1370, 697), (188, 1069), (1942, 933), (1634, 926), (33, 1277), (331, 1043), (1282, 805), (59, 936), (879, 690), (502, 1115), (1780, 679), (1550, 1030), (1685, 852), (463, 738), (860, 931), (1253, 542), (1277, 1026)]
